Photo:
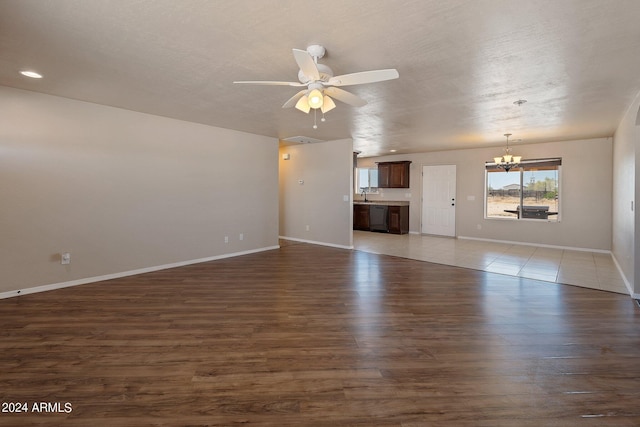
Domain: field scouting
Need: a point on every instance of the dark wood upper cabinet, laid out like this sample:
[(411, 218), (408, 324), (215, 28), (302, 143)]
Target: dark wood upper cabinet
[(393, 174)]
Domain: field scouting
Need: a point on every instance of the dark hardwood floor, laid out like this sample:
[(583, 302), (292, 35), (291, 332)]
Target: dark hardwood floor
[(316, 336)]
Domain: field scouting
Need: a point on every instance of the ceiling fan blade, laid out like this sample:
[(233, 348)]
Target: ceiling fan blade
[(306, 64), (292, 101), (267, 83), (344, 96), (364, 77)]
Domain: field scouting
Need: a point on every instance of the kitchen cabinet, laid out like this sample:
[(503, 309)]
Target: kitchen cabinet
[(393, 174), (398, 219), (361, 217), (395, 222)]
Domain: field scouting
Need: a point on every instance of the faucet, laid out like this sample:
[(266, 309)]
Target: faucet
[(364, 193)]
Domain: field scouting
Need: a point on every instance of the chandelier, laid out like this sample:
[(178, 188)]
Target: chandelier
[(507, 161)]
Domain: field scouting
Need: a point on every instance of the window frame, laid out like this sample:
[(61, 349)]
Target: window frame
[(369, 189), (521, 170)]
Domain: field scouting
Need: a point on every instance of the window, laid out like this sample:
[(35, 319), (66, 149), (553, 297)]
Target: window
[(529, 192), (367, 180)]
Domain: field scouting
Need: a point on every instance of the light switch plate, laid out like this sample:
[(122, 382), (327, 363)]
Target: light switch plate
[(65, 258)]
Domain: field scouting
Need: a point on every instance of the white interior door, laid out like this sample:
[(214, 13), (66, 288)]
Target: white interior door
[(439, 200)]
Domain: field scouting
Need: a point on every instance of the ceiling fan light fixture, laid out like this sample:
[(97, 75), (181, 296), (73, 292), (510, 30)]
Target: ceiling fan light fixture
[(327, 104), (315, 99), (303, 105)]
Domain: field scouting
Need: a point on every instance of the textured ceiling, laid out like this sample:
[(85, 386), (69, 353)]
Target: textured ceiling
[(462, 64)]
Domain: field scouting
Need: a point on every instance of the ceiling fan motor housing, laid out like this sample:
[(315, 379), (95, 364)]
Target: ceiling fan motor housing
[(316, 51), (325, 74)]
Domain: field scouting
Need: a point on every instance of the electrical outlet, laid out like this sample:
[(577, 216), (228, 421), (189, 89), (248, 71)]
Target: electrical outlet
[(308, 228), (241, 236), (226, 239), (65, 258)]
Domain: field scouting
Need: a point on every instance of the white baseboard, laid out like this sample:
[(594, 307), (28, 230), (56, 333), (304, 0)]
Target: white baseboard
[(626, 282), (313, 242), (52, 286)]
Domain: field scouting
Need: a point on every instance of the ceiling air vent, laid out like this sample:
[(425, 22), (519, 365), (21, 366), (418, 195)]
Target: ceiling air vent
[(300, 140)]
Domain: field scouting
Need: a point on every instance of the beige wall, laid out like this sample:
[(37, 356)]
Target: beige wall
[(586, 182), (325, 170), (124, 191), (626, 222)]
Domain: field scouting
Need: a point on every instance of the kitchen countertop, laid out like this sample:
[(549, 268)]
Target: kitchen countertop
[(381, 202)]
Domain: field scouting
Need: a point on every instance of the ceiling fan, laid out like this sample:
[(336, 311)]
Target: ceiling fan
[(321, 85)]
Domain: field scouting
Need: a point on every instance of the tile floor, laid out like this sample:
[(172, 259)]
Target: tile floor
[(586, 269)]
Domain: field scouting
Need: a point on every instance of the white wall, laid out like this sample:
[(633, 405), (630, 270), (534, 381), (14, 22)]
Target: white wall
[(586, 183), (626, 180), (326, 172), (124, 191)]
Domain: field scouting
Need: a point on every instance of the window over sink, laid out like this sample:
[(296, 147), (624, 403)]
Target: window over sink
[(366, 180)]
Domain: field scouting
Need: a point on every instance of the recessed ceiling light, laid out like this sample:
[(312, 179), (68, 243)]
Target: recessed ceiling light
[(31, 74), (393, 151)]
